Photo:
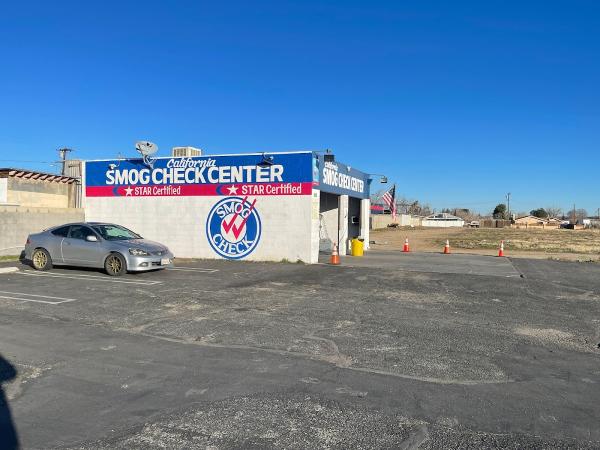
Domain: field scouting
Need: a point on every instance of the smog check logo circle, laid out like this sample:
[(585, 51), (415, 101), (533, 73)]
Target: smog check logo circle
[(233, 227)]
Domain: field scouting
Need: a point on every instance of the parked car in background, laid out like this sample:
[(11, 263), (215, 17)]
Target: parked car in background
[(93, 244), (474, 224)]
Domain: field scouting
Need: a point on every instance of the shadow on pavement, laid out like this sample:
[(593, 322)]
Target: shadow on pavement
[(8, 433)]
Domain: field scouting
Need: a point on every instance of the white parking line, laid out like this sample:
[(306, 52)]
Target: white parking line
[(36, 295), (87, 278), (53, 301), (193, 269)]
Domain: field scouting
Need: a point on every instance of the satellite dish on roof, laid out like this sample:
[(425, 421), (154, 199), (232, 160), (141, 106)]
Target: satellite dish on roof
[(147, 149)]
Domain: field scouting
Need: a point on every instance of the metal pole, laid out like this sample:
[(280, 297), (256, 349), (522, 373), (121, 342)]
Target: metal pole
[(63, 157)]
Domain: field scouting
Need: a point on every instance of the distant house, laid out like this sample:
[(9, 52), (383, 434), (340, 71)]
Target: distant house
[(530, 221), (442, 220), (594, 222)]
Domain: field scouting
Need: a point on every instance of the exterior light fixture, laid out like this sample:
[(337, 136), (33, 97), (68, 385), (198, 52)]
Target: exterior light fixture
[(382, 180)]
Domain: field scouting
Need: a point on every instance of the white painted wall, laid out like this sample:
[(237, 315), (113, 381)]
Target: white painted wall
[(343, 232), (315, 240), (180, 223), (3, 190), (443, 223), (379, 221), (365, 211)]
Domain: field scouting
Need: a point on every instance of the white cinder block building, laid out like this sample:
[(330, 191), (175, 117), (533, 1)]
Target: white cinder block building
[(250, 206), (442, 220)]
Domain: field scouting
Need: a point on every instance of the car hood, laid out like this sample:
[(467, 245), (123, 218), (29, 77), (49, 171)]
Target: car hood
[(144, 244)]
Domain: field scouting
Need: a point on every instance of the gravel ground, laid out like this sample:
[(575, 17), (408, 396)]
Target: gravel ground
[(303, 421)]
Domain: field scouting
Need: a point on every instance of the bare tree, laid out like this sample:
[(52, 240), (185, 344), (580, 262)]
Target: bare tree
[(414, 208), (554, 211), (403, 204), (578, 215), (464, 213), (376, 196)]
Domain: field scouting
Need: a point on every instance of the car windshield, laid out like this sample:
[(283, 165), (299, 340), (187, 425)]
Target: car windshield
[(115, 233)]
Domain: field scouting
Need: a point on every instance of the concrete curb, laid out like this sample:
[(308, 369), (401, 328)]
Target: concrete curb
[(8, 269)]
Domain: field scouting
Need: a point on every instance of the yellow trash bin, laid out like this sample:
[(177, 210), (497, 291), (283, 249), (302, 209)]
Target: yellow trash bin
[(357, 247)]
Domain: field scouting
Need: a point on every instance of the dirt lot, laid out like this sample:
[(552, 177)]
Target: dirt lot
[(581, 245)]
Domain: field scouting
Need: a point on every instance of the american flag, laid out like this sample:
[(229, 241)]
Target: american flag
[(389, 198)]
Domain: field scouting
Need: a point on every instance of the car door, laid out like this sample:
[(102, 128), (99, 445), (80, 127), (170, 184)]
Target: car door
[(78, 251), (54, 243)]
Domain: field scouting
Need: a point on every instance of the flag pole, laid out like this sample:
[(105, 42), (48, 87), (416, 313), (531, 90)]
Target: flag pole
[(394, 211)]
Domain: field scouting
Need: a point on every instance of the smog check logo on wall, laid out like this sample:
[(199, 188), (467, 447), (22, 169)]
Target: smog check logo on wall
[(233, 227)]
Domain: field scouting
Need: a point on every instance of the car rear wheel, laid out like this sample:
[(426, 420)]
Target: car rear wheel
[(115, 265), (41, 259)]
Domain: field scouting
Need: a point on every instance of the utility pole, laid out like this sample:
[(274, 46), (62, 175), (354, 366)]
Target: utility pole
[(63, 152), (574, 215), (508, 204)]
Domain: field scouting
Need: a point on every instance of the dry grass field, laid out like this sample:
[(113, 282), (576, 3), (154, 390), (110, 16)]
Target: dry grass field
[(582, 245)]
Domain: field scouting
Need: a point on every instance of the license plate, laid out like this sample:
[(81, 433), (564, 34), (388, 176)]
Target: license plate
[(165, 262)]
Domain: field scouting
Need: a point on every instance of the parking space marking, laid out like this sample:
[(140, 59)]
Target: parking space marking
[(193, 269), (87, 278), (52, 300)]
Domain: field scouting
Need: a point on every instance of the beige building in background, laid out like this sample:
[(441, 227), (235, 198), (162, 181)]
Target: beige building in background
[(32, 201), (37, 189), (530, 221)]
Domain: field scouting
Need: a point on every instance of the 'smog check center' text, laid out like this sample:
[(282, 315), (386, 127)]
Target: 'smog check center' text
[(280, 206)]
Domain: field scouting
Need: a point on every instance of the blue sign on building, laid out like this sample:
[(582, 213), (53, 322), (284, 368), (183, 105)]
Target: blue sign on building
[(338, 178), (251, 174)]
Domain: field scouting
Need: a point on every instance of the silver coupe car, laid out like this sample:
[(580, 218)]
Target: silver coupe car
[(95, 244)]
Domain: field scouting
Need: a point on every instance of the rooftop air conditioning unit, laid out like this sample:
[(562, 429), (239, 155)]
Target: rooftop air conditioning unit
[(180, 152)]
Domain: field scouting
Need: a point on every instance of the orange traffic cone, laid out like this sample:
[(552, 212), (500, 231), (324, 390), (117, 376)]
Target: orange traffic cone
[(406, 248), (501, 249), (335, 256), (447, 247)]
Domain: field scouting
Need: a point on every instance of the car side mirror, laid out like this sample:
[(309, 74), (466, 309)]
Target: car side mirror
[(91, 238)]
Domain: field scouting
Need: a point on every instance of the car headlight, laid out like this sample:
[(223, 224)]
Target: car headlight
[(138, 252)]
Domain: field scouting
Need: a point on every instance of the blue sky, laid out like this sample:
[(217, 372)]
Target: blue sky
[(457, 102)]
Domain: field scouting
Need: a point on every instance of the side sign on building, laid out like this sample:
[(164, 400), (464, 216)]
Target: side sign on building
[(338, 178)]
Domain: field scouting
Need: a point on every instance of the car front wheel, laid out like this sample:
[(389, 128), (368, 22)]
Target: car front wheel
[(115, 265), (41, 259)]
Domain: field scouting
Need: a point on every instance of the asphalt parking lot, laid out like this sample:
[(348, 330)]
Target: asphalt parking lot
[(389, 351)]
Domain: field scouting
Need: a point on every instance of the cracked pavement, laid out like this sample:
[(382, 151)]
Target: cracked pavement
[(478, 352)]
